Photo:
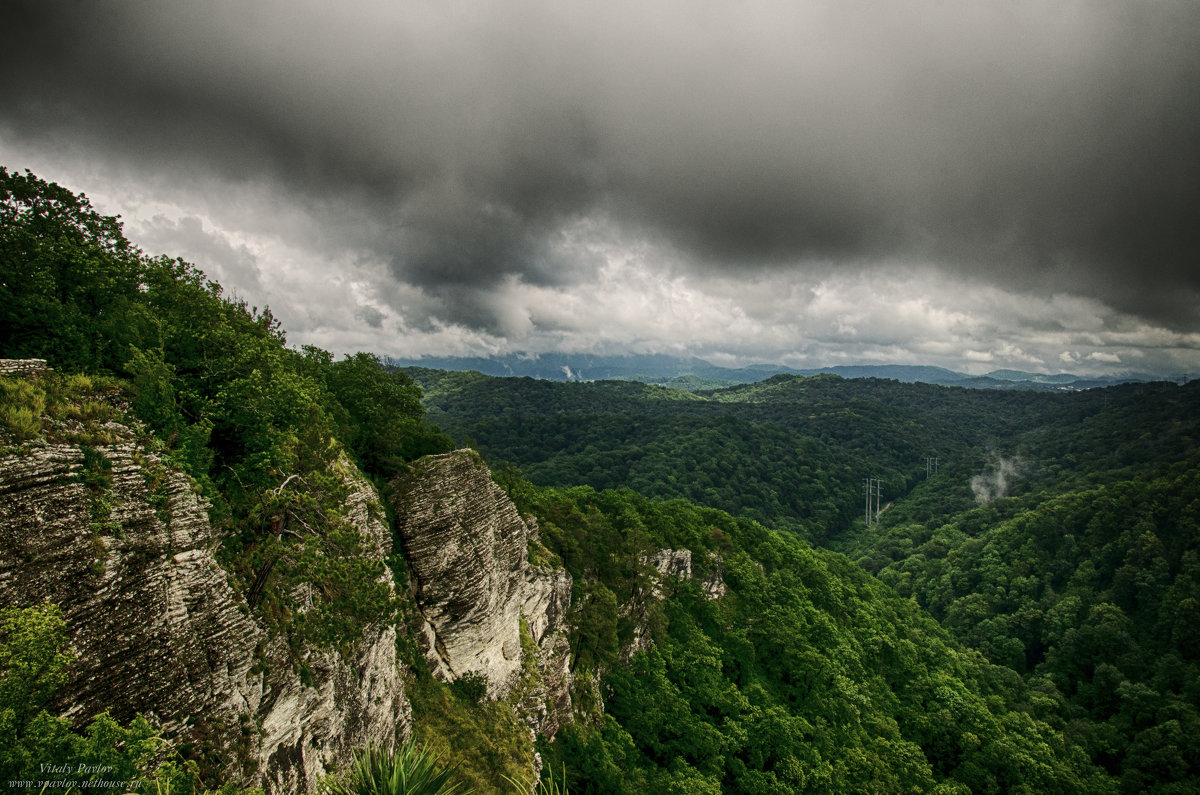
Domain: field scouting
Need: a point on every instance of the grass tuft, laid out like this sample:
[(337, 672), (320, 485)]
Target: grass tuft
[(409, 770)]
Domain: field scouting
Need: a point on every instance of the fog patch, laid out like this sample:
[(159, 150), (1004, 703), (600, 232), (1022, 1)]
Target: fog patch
[(994, 484)]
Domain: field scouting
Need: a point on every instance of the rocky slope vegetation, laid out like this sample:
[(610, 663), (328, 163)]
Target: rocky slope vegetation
[(93, 519)]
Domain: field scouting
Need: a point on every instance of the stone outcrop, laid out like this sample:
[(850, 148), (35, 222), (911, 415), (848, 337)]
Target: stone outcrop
[(678, 563), (310, 729), (665, 564), (467, 550), (159, 630), (15, 367), (99, 523)]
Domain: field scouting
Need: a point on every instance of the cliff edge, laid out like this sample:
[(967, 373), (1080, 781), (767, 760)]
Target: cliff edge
[(467, 548), (93, 519)]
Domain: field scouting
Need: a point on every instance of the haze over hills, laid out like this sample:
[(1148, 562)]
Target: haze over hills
[(692, 373)]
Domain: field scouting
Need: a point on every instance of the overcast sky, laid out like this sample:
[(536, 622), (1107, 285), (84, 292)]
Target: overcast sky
[(974, 185)]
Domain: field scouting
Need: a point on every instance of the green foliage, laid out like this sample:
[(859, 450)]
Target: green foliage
[(35, 744), (486, 739), (153, 381), (807, 676), (52, 407), (1091, 597), (790, 452), (550, 783), (382, 423), (34, 659), (67, 277), (471, 687), (409, 770), (22, 403)]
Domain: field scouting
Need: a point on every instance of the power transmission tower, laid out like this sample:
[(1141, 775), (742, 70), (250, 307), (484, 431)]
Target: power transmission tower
[(873, 490), (878, 497), (931, 466)]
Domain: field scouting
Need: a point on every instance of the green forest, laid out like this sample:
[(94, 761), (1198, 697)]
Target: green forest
[(1022, 617), (1058, 535)]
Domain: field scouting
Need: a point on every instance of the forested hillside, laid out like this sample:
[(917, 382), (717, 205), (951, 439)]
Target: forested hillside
[(1023, 620), (791, 451), (1058, 534), (807, 676)]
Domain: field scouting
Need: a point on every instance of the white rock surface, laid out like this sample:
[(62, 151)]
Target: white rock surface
[(159, 630), (467, 548)]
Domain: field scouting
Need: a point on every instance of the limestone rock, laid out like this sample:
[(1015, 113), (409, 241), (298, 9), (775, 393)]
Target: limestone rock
[(466, 546), (15, 367), (672, 562), (309, 730), (159, 630), (678, 563), (666, 563)]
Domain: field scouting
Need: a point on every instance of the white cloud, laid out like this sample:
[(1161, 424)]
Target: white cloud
[(619, 294)]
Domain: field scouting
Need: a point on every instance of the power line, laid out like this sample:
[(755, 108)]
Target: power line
[(878, 497), (873, 491)]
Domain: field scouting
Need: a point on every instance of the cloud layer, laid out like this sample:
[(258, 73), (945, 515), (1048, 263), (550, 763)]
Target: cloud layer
[(972, 183)]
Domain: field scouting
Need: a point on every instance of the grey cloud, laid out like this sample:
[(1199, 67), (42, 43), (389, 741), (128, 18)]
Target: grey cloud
[(188, 238), (371, 316), (1047, 147)]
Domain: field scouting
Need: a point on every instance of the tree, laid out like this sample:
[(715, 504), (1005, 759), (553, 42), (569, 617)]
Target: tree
[(35, 659), (67, 277)]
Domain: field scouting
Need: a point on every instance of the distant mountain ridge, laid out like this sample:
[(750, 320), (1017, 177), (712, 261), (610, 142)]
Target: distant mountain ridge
[(692, 374)]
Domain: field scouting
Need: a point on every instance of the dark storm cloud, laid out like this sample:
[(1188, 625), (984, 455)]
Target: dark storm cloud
[(1042, 146)]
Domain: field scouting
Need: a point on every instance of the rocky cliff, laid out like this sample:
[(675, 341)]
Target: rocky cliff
[(666, 565), (677, 563), (93, 519), (467, 548)]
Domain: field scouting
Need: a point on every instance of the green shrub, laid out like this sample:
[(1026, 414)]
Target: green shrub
[(35, 658), (409, 770), (21, 407), (471, 687), (487, 740), (21, 422), (549, 784)]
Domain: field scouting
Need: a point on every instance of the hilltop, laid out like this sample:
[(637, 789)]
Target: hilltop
[(693, 374)]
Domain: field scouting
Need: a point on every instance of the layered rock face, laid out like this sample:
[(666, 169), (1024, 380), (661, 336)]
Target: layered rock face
[(14, 367), (467, 549), (158, 629), (678, 563), (666, 563), (120, 540)]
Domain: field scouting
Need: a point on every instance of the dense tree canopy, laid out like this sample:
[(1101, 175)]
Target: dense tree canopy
[(1058, 536), (807, 676)]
